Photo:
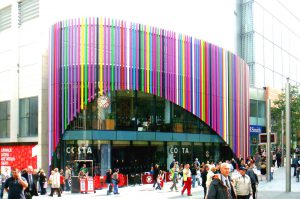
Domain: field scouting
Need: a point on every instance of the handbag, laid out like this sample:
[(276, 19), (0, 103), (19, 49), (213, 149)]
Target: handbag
[(45, 185)]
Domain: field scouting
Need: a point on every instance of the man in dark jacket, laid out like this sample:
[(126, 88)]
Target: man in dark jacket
[(254, 179), (31, 190), (221, 188)]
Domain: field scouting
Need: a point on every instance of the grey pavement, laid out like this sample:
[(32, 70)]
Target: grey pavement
[(273, 190)]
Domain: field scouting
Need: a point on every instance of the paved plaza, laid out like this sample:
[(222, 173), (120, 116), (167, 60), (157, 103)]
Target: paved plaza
[(274, 189)]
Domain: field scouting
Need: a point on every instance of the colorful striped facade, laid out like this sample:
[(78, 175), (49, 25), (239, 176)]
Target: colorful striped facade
[(93, 56)]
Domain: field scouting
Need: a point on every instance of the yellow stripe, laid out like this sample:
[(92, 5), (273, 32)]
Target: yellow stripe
[(101, 57), (81, 60)]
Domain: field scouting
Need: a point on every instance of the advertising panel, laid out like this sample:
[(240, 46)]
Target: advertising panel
[(18, 156)]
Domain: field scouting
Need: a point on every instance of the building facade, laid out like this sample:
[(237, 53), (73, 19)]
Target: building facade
[(157, 81), (26, 54)]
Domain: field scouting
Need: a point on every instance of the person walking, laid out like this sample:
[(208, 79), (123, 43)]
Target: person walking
[(253, 178), (204, 178), (187, 180), (115, 180), (55, 183), (62, 181), (243, 185), (108, 182), (42, 181), (15, 185), (155, 174), (278, 158), (31, 190), (194, 174), (174, 173), (67, 178), (4, 176), (222, 188)]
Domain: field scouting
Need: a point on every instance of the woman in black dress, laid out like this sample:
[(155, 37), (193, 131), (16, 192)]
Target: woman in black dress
[(42, 181)]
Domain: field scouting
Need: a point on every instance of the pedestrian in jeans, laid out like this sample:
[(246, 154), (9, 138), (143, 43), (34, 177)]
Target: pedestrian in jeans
[(115, 180), (67, 178), (174, 173), (194, 174)]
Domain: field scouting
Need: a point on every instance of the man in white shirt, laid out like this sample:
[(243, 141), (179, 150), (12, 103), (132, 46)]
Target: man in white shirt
[(243, 185)]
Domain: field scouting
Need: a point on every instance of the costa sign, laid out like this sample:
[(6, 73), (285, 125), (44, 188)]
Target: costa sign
[(174, 150), (79, 150)]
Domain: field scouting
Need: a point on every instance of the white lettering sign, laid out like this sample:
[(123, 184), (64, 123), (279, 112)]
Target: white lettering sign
[(84, 150)]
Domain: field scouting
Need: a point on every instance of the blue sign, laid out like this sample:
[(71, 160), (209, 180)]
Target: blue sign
[(257, 129)]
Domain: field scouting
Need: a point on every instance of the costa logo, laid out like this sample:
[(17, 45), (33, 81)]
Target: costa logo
[(170, 177), (103, 101), (149, 179)]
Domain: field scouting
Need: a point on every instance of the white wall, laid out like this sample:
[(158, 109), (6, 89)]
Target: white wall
[(210, 20), (23, 50)]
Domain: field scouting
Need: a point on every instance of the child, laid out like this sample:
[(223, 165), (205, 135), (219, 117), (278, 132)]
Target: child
[(272, 172), (62, 182)]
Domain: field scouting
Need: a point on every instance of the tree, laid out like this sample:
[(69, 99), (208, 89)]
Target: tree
[(278, 106)]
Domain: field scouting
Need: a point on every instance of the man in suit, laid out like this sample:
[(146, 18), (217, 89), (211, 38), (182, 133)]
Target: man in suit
[(31, 179)]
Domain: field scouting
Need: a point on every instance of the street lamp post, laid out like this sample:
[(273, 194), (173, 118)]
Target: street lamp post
[(268, 148), (282, 131), (288, 137)]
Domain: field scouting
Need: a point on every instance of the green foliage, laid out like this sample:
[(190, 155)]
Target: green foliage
[(279, 106)]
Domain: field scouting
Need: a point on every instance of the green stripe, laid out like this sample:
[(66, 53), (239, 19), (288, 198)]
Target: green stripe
[(86, 64)]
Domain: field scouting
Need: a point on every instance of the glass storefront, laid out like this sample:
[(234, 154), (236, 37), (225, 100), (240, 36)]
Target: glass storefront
[(162, 132), (138, 111), (138, 156)]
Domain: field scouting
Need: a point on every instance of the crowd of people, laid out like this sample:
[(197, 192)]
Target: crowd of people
[(236, 178), (31, 182)]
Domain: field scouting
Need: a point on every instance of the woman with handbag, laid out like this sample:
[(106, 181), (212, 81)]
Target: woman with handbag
[(43, 182)]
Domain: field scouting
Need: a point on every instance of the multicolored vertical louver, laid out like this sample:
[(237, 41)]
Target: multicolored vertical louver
[(92, 56)]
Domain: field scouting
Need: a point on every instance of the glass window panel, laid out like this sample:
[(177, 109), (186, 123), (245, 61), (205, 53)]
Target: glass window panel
[(268, 30), (278, 81), (2, 110), (261, 109), (285, 40), (268, 54), (125, 110), (277, 60), (24, 107), (277, 29), (24, 126), (145, 111), (259, 54), (258, 18), (285, 64), (293, 68), (253, 108), (269, 77), (259, 76)]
